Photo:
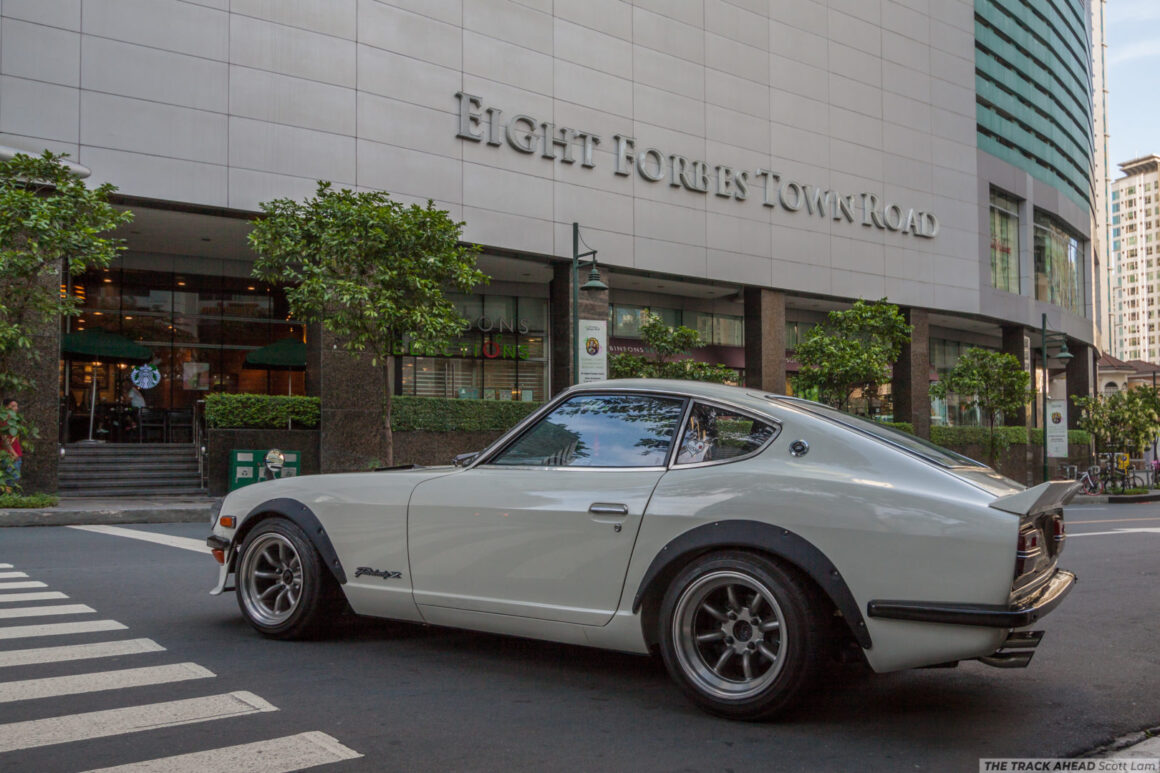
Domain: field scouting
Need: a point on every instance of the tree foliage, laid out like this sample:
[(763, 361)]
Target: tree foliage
[(49, 222), (1125, 421), (993, 382), (372, 270), (666, 344), (852, 350)]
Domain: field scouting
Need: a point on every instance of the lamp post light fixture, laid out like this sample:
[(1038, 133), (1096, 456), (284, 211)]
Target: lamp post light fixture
[(592, 284), (1065, 355)]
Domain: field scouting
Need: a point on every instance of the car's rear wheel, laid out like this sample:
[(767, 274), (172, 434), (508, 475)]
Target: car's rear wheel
[(283, 589), (741, 635)]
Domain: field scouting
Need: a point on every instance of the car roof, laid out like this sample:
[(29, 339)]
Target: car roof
[(742, 397)]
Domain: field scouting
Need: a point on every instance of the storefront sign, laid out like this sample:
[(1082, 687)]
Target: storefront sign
[(593, 351), (145, 376), (529, 135), (498, 325), (1057, 428), (488, 350)]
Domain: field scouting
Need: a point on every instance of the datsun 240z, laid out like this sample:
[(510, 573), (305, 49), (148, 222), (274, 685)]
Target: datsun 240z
[(749, 538)]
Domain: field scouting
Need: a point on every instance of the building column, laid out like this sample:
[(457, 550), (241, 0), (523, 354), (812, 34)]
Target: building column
[(593, 306), (1081, 371), (765, 339), (910, 383), (351, 391), (1015, 344)]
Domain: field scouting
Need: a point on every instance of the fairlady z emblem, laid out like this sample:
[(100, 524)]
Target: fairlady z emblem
[(386, 574)]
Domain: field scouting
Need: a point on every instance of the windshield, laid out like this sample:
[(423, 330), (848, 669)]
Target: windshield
[(912, 443)]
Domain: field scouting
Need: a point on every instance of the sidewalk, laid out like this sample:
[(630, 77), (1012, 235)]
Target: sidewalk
[(91, 510)]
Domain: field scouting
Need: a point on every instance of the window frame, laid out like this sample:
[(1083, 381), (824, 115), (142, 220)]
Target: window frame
[(488, 457), (693, 401)]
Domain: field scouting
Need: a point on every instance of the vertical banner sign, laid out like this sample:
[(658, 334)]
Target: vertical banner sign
[(1057, 428), (593, 351)]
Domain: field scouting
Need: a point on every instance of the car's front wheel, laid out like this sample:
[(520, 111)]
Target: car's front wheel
[(283, 589), (741, 635)]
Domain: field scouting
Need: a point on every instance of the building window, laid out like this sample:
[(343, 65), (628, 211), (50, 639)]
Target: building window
[(1059, 265), (1004, 242)]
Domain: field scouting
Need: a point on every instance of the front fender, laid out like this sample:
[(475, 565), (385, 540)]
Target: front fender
[(764, 538), (303, 517)]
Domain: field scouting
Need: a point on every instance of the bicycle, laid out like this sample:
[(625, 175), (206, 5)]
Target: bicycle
[(1091, 480)]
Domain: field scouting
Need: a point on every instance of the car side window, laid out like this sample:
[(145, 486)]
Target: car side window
[(715, 434), (600, 431)]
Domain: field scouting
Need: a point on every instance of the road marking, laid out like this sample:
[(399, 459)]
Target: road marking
[(32, 734), (1117, 531), (59, 609), (278, 755), (11, 575), (42, 596), (185, 543), (20, 585), (1114, 520), (100, 681), (59, 629), (5, 566), (106, 649)]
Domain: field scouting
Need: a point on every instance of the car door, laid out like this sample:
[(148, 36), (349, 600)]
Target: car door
[(544, 527)]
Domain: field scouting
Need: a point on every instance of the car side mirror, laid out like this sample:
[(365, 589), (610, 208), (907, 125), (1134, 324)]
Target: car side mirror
[(465, 459)]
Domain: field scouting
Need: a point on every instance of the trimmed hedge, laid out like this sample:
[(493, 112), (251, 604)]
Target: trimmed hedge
[(965, 436), (261, 411), (440, 414), (13, 500)]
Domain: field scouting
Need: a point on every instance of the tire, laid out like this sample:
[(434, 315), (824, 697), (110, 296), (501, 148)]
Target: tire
[(743, 637), (283, 589)]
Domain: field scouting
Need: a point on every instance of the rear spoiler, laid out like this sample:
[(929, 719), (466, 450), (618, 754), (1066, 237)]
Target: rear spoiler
[(1037, 499)]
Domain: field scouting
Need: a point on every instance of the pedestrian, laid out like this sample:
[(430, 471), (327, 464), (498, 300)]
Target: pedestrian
[(10, 451)]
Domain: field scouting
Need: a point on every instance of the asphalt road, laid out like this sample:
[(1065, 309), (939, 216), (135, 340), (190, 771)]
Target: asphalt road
[(413, 698)]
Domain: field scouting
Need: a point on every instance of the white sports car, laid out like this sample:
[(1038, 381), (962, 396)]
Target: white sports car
[(747, 537)]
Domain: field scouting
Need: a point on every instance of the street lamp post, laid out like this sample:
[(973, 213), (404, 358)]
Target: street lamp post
[(1064, 355), (593, 283)]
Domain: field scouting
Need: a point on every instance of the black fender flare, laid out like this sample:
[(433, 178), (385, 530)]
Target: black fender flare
[(304, 518), (765, 538)]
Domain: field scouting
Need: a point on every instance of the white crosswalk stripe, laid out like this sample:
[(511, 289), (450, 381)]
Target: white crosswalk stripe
[(5, 586), (275, 755), (59, 629), (278, 755), (53, 687), (185, 543), (32, 596), (59, 609), (109, 649), (131, 719)]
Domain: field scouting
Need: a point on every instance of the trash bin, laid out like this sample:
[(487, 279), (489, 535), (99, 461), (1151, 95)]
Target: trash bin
[(249, 466)]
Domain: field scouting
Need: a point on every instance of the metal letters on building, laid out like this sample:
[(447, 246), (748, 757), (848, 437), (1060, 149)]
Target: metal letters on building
[(526, 134)]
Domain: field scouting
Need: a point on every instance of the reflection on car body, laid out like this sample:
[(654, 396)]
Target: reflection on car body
[(747, 538)]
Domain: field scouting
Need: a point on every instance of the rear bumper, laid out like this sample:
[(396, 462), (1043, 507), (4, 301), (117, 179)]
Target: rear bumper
[(1020, 613)]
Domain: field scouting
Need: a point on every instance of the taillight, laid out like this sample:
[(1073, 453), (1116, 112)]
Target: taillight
[(1058, 531), (1027, 550)]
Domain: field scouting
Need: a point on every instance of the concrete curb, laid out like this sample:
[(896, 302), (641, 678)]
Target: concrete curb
[(1115, 499), (113, 511), (1141, 744)]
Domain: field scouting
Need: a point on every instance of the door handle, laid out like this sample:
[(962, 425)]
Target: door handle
[(607, 508)]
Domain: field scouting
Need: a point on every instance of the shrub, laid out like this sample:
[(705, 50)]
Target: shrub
[(18, 501), (261, 411), (904, 426), (1074, 437), (439, 414)]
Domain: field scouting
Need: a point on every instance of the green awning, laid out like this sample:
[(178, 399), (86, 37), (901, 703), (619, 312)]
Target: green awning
[(103, 346), (287, 354)]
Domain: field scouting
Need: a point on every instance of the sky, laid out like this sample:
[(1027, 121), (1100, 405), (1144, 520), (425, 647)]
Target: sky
[(1133, 72)]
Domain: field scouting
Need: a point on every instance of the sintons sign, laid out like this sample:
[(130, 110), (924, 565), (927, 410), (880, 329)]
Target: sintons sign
[(529, 135)]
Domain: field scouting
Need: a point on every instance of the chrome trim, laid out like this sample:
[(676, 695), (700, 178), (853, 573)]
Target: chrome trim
[(799, 447)]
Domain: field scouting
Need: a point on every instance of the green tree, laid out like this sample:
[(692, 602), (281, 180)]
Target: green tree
[(370, 269), (50, 222), (852, 350), (993, 382), (666, 344), (1124, 421)]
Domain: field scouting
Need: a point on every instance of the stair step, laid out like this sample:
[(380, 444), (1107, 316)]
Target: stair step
[(113, 465), (156, 491), (165, 475)]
